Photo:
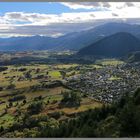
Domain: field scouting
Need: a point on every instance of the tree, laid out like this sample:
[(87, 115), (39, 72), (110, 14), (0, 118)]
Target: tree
[(127, 120), (3, 68), (22, 69), (28, 75), (1, 88), (35, 107), (38, 98), (63, 74), (71, 98), (1, 129), (17, 98), (137, 97), (108, 128), (10, 104), (37, 70), (24, 101), (11, 86)]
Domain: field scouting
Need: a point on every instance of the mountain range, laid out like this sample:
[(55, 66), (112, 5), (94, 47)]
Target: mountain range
[(72, 41), (116, 45)]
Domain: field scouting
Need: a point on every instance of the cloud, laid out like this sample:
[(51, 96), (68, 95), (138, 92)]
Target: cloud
[(27, 24), (114, 14), (100, 5), (130, 4), (87, 5), (58, 29)]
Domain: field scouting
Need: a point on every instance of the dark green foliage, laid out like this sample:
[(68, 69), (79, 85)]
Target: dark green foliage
[(24, 101), (1, 129), (121, 119), (1, 88), (40, 76), (22, 69), (55, 115), (35, 107), (71, 98), (108, 128), (38, 98), (63, 74), (116, 45), (127, 121), (137, 97), (28, 75), (3, 68), (10, 104), (17, 98), (11, 86)]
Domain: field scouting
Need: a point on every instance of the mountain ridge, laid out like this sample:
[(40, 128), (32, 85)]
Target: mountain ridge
[(116, 45), (71, 41)]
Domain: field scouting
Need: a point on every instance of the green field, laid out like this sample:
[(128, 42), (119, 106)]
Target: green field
[(27, 81), (105, 62), (114, 78)]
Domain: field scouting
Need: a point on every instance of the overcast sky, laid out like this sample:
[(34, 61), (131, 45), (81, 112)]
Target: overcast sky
[(58, 18)]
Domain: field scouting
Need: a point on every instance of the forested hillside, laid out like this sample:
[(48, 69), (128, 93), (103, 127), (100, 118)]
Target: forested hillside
[(121, 119)]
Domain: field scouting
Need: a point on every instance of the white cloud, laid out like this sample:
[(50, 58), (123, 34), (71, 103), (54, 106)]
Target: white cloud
[(26, 24), (100, 5), (86, 5)]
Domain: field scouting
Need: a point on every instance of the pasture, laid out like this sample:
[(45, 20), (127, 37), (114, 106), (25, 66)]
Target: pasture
[(24, 83)]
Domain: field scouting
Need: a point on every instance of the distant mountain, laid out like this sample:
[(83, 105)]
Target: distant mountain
[(25, 43), (71, 41), (76, 41), (116, 45)]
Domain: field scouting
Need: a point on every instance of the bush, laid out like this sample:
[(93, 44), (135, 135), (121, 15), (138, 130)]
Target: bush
[(55, 115), (43, 118), (1, 129), (35, 107), (22, 69), (12, 86), (71, 98), (1, 88), (10, 104), (137, 97), (3, 68), (38, 98), (24, 101), (17, 98)]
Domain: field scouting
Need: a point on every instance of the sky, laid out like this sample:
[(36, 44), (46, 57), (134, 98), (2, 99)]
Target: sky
[(59, 18)]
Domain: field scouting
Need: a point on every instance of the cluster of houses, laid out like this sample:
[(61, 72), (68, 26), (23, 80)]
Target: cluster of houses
[(108, 83)]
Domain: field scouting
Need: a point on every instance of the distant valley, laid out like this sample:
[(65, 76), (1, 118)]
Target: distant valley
[(72, 41)]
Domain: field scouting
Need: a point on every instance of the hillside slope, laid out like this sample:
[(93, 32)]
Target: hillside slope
[(117, 45)]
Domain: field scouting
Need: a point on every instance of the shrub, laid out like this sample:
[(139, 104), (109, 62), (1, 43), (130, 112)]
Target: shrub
[(71, 98), (3, 68), (1, 88), (17, 98), (11, 86), (35, 107), (22, 69), (24, 101)]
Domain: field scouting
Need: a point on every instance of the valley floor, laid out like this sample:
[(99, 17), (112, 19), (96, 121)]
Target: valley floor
[(37, 90)]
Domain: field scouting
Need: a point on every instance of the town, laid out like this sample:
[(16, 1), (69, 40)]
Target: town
[(107, 83)]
